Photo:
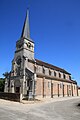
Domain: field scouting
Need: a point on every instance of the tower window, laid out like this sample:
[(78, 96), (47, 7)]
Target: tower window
[(29, 45)]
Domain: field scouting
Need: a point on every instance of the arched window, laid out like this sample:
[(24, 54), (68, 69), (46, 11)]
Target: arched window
[(59, 75), (69, 77), (18, 65), (64, 76), (18, 60), (50, 72), (54, 73), (43, 70)]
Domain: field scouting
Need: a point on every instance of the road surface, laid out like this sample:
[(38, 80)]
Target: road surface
[(66, 109)]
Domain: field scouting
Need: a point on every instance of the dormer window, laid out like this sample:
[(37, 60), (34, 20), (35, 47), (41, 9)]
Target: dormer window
[(43, 70), (50, 72), (54, 73), (64, 76), (69, 77), (59, 75)]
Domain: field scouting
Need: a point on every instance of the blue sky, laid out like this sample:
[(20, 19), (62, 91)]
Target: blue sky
[(54, 27)]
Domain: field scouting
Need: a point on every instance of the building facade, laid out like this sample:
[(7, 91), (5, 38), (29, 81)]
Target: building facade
[(78, 91), (34, 78)]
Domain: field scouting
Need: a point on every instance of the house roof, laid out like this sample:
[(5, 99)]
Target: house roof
[(39, 62)]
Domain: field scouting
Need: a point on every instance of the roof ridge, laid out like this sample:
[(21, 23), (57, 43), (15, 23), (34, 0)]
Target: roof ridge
[(52, 66)]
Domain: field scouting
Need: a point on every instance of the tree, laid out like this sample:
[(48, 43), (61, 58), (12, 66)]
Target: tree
[(6, 74), (2, 83)]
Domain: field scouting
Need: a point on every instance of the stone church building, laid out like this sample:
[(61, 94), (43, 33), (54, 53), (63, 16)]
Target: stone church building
[(34, 78)]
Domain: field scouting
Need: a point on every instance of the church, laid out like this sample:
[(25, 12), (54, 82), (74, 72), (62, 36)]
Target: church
[(34, 78)]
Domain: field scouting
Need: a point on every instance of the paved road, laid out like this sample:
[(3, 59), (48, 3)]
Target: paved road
[(60, 110)]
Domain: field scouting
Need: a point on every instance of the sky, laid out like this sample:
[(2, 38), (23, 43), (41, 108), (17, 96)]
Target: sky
[(54, 27)]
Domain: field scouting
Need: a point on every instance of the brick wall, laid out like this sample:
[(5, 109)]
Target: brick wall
[(54, 88)]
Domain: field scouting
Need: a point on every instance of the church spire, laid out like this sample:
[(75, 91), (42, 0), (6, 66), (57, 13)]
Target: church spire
[(26, 29)]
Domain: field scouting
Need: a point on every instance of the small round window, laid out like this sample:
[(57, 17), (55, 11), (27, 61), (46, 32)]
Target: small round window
[(18, 60)]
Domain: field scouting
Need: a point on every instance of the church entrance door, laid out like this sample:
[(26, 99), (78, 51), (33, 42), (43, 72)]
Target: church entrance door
[(17, 90), (17, 85)]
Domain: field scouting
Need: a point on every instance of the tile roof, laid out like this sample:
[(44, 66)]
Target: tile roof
[(39, 62)]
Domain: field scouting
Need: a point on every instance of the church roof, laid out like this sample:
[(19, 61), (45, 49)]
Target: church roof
[(26, 34), (39, 62), (74, 81)]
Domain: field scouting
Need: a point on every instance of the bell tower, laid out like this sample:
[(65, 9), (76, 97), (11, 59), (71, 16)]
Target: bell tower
[(22, 74), (24, 49), (21, 78), (25, 43)]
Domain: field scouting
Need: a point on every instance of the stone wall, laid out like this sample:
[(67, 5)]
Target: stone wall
[(10, 96)]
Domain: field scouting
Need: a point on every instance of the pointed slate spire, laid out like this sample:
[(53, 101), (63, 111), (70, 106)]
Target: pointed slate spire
[(26, 29)]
